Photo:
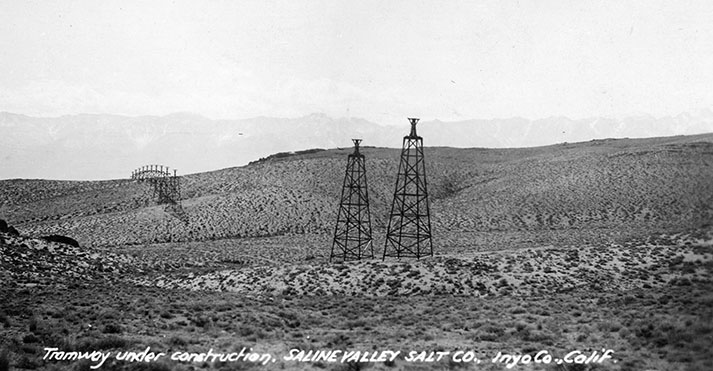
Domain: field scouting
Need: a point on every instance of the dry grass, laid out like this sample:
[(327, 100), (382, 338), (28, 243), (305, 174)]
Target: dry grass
[(649, 300), (662, 329)]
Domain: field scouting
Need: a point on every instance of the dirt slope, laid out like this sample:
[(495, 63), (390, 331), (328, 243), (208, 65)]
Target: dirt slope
[(481, 198)]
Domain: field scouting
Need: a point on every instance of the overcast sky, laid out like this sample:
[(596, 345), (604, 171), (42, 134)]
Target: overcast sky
[(380, 60)]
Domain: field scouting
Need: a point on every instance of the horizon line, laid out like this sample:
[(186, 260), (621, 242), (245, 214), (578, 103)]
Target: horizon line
[(698, 112), (373, 147)]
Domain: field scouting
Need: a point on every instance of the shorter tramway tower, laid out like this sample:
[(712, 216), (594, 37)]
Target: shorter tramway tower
[(352, 234)]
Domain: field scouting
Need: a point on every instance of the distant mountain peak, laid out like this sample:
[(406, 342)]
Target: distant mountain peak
[(320, 115)]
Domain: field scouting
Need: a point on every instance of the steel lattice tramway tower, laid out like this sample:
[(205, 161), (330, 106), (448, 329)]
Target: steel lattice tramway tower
[(352, 234), (409, 231)]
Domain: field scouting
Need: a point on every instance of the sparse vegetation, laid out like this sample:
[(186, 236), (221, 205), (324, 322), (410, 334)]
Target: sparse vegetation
[(584, 246)]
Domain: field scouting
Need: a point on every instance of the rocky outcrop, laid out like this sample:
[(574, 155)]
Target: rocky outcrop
[(61, 239)]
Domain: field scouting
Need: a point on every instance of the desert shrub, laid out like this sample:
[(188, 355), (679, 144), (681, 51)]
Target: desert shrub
[(339, 341), (112, 328), (520, 326), (645, 332), (702, 328), (26, 363), (109, 314), (448, 186), (352, 366), (83, 365), (152, 366), (413, 274), (624, 332), (490, 332), (109, 342), (517, 310), (223, 307), (30, 339), (177, 341), (493, 329), (4, 361), (11, 230), (453, 365), (577, 367), (538, 336), (246, 330), (201, 321), (34, 323), (357, 323), (166, 314)]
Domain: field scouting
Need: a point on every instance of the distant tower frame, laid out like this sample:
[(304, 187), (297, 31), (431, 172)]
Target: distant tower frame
[(352, 233), (166, 188), (409, 230)]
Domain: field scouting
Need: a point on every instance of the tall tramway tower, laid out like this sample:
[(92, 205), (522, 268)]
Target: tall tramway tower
[(409, 230)]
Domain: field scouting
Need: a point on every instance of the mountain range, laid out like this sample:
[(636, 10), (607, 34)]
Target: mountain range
[(100, 146)]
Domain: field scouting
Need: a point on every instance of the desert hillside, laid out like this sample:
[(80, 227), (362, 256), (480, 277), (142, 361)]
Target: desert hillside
[(600, 244), (648, 300), (481, 199)]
